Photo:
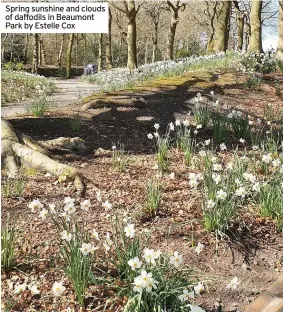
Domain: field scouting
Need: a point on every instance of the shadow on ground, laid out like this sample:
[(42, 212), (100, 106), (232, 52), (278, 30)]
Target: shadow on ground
[(167, 100)]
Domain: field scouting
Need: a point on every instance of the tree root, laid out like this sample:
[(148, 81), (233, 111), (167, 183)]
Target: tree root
[(122, 101), (16, 145)]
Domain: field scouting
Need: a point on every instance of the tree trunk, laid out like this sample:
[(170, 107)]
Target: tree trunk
[(26, 49), (146, 51), (42, 58), (59, 58), (3, 47), (35, 54), (17, 145), (279, 52), (255, 44), (240, 25), (154, 43), (100, 53), (108, 46), (77, 49), (171, 35), (69, 56), (132, 62), (212, 28), (222, 27)]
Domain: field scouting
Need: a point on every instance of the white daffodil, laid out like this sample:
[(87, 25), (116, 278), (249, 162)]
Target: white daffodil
[(256, 187), (69, 200), (210, 204), (130, 230), (207, 142), (35, 204), (52, 208), (66, 236), (233, 284), (98, 196), (95, 235), (19, 288), (70, 208), (217, 167), (85, 205), (241, 192), (87, 248), (135, 263), (156, 126), (199, 248), (150, 136), (199, 288), (223, 147), (43, 214), (150, 255), (221, 194), (216, 178), (176, 260), (267, 158), (107, 205), (177, 122), (33, 288), (186, 295), (276, 163), (171, 126), (195, 308), (58, 289)]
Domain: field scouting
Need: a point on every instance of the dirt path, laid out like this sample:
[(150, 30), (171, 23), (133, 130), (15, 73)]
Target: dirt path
[(68, 92)]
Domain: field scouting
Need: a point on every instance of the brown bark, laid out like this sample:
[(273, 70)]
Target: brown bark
[(59, 58), (35, 53), (108, 45), (16, 145), (42, 58), (240, 25), (154, 43), (222, 27), (69, 55), (279, 52), (26, 48), (132, 36), (130, 11), (100, 53), (255, 42), (174, 9), (212, 26)]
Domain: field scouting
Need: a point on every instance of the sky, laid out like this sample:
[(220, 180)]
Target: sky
[(270, 30)]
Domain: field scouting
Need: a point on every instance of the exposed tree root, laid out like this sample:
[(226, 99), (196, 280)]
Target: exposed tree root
[(121, 101), (19, 146)]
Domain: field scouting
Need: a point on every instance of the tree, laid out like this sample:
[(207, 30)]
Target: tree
[(222, 27), (100, 52), (174, 9), (279, 52), (35, 53), (240, 25), (60, 53), (108, 45), (69, 55), (255, 42), (130, 11), (154, 11), (211, 22)]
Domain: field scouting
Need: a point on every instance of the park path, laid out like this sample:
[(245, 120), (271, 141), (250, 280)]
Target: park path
[(68, 91)]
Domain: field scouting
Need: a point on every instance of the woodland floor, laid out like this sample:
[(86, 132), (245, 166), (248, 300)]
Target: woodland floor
[(253, 250)]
